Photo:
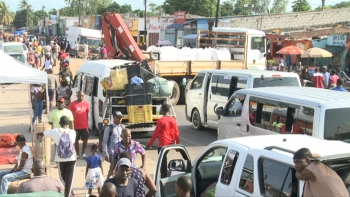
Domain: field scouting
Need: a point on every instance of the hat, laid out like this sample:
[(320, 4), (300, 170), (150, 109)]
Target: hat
[(117, 113), (66, 64), (61, 100), (124, 162)]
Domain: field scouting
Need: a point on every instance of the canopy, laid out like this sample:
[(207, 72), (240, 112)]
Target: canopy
[(316, 52), (334, 49), (179, 25), (290, 50), (13, 71)]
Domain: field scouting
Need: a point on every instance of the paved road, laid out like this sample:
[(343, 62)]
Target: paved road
[(14, 118)]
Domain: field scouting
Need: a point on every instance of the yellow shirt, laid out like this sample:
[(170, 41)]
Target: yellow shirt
[(56, 115), (39, 49)]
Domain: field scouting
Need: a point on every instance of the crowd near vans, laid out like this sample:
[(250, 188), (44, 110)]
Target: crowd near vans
[(87, 79), (214, 87), (316, 112)]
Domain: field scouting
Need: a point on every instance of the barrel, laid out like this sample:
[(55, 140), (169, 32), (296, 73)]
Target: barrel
[(42, 147)]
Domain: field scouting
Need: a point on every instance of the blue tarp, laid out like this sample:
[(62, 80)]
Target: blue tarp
[(179, 25), (53, 16), (192, 36), (19, 32)]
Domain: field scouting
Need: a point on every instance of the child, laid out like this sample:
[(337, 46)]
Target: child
[(94, 171)]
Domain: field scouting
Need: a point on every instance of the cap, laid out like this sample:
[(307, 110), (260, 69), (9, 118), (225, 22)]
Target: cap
[(61, 100), (117, 113), (124, 162), (66, 64)]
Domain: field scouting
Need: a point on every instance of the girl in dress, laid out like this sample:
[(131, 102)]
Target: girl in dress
[(94, 171)]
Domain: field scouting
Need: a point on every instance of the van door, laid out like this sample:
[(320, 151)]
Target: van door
[(230, 125), (77, 85), (221, 88), (256, 52), (90, 96)]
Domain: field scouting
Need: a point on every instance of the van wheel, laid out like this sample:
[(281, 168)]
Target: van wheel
[(196, 120), (175, 96)]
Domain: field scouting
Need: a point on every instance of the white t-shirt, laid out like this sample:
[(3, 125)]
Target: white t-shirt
[(86, 48), (29, 162), (56, 136), (48, 64)]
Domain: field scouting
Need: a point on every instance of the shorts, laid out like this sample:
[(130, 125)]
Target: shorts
[(82, 134), (51, 94), (54, 55)]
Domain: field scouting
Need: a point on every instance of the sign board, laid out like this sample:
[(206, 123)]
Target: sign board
[(336, 40), (180, 17)]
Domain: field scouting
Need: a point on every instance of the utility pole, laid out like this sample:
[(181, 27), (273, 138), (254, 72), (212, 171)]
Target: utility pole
[(42, 15), (79, 13), (145, 16), (323, 5), (217, 13), (27, 18)]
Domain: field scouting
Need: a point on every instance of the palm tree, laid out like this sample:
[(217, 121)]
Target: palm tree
[(6, 16), (24, 5)]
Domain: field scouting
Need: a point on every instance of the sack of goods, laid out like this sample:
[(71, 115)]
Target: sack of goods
[(161, 87), (116, 81)]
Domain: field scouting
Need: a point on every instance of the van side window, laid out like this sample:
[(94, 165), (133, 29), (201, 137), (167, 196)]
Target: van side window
[(235, 106), (247, 177), (95, 89), (214, 84), (277, 179), (242, 83), (89, 84), (223, 87), (279, 117), (228, 167), (197, 83), (303, 121)]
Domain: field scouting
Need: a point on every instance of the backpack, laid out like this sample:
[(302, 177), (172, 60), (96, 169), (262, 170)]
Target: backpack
[(65, 148), (41, 95), (111, 132)]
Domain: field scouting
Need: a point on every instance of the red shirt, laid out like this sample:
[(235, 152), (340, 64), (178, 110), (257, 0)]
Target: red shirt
[(318, 80), (80, 111), (166, 131)]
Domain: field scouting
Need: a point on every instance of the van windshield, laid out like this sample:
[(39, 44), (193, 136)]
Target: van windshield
[(92, 42), (336, 124), (275, 81), (16, 48)]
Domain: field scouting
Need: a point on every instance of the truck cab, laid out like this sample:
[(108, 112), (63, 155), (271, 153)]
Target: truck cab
[(248, 166)]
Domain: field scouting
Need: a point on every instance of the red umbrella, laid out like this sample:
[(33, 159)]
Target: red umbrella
[(291, 50)]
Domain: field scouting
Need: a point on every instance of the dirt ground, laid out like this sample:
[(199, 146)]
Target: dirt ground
[(15, 118)]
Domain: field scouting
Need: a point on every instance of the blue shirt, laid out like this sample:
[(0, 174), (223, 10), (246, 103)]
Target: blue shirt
[(339, 88), (326, 79), (94, 161)]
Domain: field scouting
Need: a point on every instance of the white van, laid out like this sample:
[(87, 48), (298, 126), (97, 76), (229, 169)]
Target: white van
[(16, 50), (87, 79), (316, 112), (213, 87)]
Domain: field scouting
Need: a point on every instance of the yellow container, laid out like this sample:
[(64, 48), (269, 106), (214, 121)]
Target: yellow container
[(139, 113)]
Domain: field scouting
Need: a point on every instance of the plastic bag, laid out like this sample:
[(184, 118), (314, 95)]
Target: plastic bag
[(136, 80), (161, 87), (118, 79), (104, 83)]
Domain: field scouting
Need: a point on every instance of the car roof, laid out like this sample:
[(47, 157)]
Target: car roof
[(11, 43), (97, 66), (306, 95), (250, 73), (327, 149)]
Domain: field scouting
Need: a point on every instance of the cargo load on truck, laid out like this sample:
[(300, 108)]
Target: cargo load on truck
[(137, 94)]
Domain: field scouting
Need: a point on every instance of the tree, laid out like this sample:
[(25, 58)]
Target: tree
[(24, 5), (261, 6), (319, 8), (139, 12), (243, 7), (155, 10), (226, 9), (20, 19), (301, 6), (68, 11), (343, 4), (53, 11), (6, 16), (115, 7), (39, 15), (278, 6), (197, 7)]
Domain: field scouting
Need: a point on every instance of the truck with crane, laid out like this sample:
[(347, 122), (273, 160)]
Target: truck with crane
[(246, 46)]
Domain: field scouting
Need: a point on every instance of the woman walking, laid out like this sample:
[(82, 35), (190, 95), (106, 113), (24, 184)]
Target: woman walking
[(37, 102), (333, 79), (63, 91)]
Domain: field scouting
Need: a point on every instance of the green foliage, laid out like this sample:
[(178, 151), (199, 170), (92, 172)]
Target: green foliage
[(139, 12), (343, 4), (226, 9), (243, 7), (38, 15), (20, 19), (261, 6), (6, 16), (278, 6), (114, 7), (155, 10), (319, 8), (53, 12), (301, 6), (68, 11), (197, 7)]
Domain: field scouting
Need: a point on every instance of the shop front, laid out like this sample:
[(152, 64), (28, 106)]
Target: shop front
[(274, 44), (303, 44), (336, 44)]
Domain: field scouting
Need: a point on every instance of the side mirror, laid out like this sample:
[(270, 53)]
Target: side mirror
[(219, 110), (176, 165)]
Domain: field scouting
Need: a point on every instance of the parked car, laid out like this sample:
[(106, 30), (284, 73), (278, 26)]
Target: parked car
[(17, 50)]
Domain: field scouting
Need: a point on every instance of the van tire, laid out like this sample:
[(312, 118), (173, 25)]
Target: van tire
[(175, 96), (196, 120)]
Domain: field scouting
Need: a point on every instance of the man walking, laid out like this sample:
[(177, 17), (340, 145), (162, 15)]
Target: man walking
[(167, 133), (52, 84), (318, 79), (21, 170), (339, 87), (65, 154), (131, 146), (55, 50), (56, 115), (326, 76), (40, 182), (86, 50), (111, 136), (80, 110)]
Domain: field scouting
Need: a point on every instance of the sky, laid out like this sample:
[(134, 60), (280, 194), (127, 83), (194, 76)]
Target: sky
[(136, 4)]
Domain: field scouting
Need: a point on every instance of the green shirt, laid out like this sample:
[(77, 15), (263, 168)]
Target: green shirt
[(56, 115)]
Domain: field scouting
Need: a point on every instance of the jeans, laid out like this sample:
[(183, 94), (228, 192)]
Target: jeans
[(38, 110), (40, 58), (6, 177)]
